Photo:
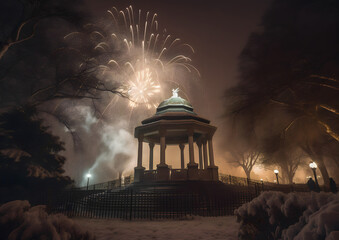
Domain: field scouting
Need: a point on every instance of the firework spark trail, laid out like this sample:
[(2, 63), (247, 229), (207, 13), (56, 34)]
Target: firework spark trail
[(148, 54)]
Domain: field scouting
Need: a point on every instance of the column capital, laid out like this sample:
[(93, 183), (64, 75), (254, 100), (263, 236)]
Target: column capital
[(190, 131), (141, 137), (199, 143), (209, 136), (162, 132), (182, 146), (151, 145)]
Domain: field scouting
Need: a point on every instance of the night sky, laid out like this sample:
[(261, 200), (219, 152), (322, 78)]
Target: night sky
[(217, 30)]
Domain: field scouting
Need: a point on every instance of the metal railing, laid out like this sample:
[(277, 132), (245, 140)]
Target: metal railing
[(130, 205), (101, 201)]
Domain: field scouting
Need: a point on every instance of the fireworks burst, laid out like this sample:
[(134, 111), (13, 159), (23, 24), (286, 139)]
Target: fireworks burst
[(133, 49), (143, 88)]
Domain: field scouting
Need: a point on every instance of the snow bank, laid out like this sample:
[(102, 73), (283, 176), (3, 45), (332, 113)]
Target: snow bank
[(275, 215), (191, 228), (18, 220)]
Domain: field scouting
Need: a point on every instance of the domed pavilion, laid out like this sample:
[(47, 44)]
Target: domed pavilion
[(175, 123)]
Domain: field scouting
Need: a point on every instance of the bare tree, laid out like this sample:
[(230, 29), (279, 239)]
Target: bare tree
[(32, 13), (286, 154), (289, 165), (245, 159)]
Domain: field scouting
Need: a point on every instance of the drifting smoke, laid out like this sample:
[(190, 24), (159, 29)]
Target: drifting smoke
[(106, 147), (118, 152)]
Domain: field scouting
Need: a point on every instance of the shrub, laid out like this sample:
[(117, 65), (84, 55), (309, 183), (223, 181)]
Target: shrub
[(18, 220), (275, 215)]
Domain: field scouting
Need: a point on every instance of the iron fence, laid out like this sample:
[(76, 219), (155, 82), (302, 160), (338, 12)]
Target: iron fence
[(113, 200), (148, 205)]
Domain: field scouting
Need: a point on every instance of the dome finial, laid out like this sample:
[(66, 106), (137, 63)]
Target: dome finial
[(175, 92)]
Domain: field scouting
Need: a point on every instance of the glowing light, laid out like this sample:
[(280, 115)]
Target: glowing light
[(88, 175), (313, 165), (142, 88), (276, 171)]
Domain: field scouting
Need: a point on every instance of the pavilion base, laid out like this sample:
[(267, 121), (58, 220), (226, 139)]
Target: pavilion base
[(192, 171), (163, 172), (139, 174), (213, 173), (203, 187)]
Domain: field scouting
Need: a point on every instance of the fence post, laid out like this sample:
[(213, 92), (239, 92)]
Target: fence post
[(131, 205)]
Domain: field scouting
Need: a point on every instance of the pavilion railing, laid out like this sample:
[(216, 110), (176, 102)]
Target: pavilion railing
[(179, 174), (150, 175)]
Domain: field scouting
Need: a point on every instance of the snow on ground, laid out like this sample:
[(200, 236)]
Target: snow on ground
[(206, 228)]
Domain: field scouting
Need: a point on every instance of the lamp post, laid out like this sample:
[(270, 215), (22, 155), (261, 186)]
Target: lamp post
[(314, 166), (276, 174), (88, 177)]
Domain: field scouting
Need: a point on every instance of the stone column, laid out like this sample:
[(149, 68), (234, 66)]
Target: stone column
[(204, 143), (151, 147), (140, 142), (182, 147), (191, 148), (213, 170), (210, 151), (162, 168), (139, 169), (200, 155), (162, 149), (192, 166)]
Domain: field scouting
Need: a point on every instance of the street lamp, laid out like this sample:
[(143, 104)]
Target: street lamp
[(314, 166), (88, 175), (276, 174)]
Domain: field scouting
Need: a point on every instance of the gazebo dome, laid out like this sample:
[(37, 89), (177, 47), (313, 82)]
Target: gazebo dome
[(175, 104), (175, 108)]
